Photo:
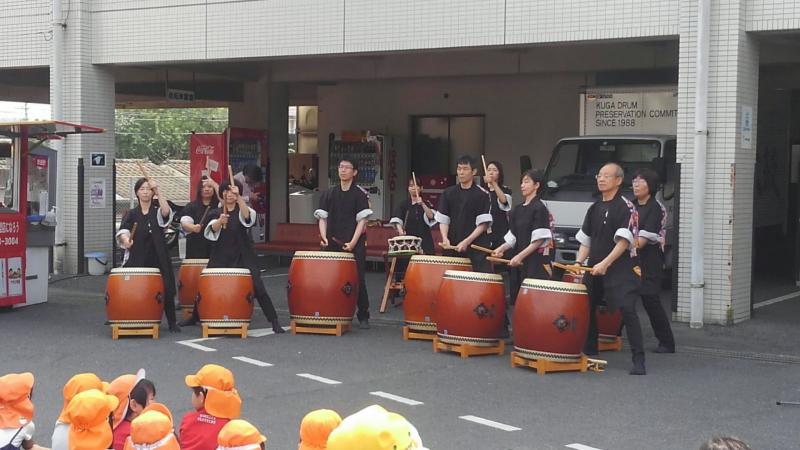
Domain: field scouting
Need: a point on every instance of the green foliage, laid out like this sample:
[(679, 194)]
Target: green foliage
[(159, 134)]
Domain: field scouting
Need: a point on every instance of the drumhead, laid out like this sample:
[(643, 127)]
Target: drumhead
[(324, 255), (443, 260), (462, 275), (405, 238), (224, 271), (135, 271), (554, 286), (195, 262)]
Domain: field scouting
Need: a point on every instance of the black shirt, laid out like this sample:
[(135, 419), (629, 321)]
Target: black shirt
[(197, 246), (233, 247), (412, 219), (605, 223), (527, 220), (149, 246), (464, 209), (343, 210), (652, 217), (499, 215)]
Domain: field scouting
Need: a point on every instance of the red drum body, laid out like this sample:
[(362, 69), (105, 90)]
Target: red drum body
[(422, 280), (609, 324), (470, 308), (188, 280), (570, 277), (225, 297), (323, 288), (551, 320), (134, 296)]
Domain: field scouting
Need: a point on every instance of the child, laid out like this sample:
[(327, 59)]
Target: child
[(316, 427), (16, 411), (134, 393), (77, 384), (152, 430), (215, 401), (88, 414), (371, 428), (240, 435)]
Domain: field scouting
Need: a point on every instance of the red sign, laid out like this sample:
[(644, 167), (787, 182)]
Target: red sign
[(207, 156), (40, 161)]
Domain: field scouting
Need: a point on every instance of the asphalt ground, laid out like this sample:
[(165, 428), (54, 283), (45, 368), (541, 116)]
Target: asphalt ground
[(723, 380)]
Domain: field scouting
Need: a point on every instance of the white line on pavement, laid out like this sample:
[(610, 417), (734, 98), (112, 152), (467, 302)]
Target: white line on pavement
[(193, 343), (581, 447), (396, 398), (252, 361), (261, 332), (772, 301), (275, 275), (490, 423), (318, 378)]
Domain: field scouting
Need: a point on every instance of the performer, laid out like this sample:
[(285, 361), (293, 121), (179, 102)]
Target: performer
[(147, 247), (652, 217), (464, 215), (231, 247), (342, 214), (194, 216), (249, 178), (500, 195), (532, 257), (415, 218), (608, 239)]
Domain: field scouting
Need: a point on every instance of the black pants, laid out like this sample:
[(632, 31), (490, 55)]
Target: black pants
[(264, 301), (659, 320), (360, 253), (630, 320)]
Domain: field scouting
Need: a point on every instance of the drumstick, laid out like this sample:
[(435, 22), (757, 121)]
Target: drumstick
[(498, 260), (203, 217), (230, 173), (481, 249), (133, 231), (572, 267), (485, 167), (144, 172), (416, 186), (447, 247)]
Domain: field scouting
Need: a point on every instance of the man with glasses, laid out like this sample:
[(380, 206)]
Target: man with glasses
[(608, 239), (342, 214)]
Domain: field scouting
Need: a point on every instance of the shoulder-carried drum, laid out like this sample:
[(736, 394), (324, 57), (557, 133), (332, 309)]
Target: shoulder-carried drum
[(188, 279), (134, 296), (551, 320), (470, 308), (422, 280), (405, 246), (323, 288), (225, 297)]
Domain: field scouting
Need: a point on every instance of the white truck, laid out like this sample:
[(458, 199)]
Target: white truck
[(632, 127)]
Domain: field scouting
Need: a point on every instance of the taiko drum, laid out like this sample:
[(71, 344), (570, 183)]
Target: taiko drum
[(422, 280), (323, 288), (225, 297), (609, 324), (551, 320), (134, 296), (188, 281), (470, 308)]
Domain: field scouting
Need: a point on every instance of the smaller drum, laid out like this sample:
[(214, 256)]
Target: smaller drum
[(225, 297), (188, 278), (134, 297), (470, 308), (422, 280), (404, 246), (323, 288)]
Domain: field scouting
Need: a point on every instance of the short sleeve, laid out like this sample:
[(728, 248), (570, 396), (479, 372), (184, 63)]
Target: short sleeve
[(585, 232), (442, 214), (324, 205), (625, 220)]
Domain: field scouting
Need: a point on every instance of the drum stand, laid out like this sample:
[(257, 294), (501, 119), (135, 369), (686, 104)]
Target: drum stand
[(392, 287), (217, 330), (609, 343), (467, 350), (410, 333), (118, 330), (333, 329), (187, 311), (542, 366)]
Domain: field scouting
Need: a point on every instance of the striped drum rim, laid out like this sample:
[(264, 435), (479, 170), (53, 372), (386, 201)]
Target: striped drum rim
[(194, 262), (221, 323), (334, 256), (553, 286), (421, 326), (477, 342), (224, 272), (473, 276), (135, 271), (320, 320), (557, 357), (441, 260), (134, 323)]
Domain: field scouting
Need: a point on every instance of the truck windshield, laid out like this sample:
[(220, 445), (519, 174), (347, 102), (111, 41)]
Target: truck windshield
[(574, 164)]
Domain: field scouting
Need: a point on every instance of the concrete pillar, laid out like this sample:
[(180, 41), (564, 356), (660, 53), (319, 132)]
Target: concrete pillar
[(733, 92), (278, 154), (88, 98)]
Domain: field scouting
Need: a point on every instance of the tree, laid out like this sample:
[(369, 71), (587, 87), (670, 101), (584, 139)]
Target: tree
[(159, 134)]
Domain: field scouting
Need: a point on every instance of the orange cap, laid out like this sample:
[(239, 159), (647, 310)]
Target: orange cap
[(240, 435), (121, 388), (160, 408), (77, 384), (372, 428), (222, 399), (316, 427), (152, 430), (16, 407), (87, 414)]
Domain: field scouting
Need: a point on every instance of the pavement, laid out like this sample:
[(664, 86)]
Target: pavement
[(722, 380)]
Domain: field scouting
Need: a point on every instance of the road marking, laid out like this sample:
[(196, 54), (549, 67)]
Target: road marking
[(490, 423), (396, 398), (318, 378), (193, 343), (275, 275), (772, 301), (252, 361), (581, 447), (261, 332)]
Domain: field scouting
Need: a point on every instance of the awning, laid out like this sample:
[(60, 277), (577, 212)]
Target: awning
[(45, 129)]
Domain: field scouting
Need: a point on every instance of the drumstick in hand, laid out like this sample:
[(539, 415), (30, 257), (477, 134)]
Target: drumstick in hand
[(133, 231), (498, 260), (447, 246), (481, 249), (576, 268)]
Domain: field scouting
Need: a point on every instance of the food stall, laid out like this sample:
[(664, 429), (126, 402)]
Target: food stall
[(26, 232)]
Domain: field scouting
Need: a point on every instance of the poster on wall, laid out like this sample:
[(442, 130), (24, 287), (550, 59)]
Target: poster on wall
[(97, 193), (207, 156), (12, 255), (15, 276), (3, 281), (248, 146)]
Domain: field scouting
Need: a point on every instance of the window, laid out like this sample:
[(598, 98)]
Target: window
[(438, 141), (9, 168)]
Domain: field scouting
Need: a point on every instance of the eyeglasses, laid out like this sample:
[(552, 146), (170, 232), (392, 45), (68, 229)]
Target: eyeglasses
[(605, 176), (345, 166)]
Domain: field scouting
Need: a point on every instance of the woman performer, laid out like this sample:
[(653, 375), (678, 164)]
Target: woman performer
[(231, 246), (500, 196), (147, 247), (194, 216)]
